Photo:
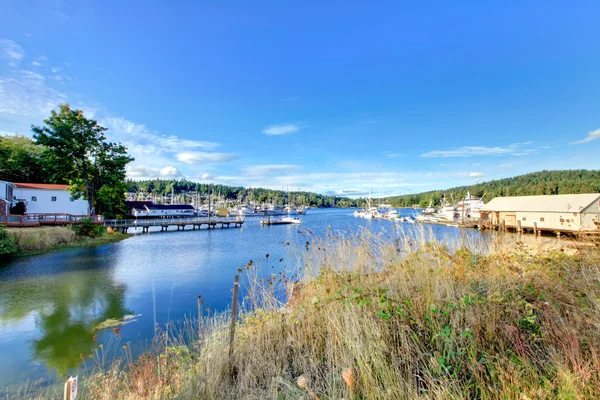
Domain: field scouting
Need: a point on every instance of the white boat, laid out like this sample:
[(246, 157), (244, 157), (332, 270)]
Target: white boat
[(392, 214), (284, 220), (470, 206), (291, 220), (408, 220), (290, 210), (430, 209), (371, 213), (359, 213)]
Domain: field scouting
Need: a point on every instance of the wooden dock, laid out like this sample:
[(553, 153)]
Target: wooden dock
[(181, 223)]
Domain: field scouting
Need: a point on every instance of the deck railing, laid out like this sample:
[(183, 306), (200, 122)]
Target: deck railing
[(120, 223), (37, 219)]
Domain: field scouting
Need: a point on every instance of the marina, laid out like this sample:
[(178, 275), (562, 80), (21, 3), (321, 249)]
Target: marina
[(573, 214)]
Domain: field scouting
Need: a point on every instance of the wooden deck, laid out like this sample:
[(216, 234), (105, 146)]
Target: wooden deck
[(181, 223), (34, 220)]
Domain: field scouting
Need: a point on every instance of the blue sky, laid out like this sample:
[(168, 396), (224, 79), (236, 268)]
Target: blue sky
[(329, 96)]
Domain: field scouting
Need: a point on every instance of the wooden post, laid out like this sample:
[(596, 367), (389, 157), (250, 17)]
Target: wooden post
[(519, 226), (535, 229), (209, 204), (236, 285), (199, 302), (503, 225)]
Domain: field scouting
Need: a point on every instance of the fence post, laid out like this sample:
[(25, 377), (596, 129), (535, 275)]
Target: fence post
[(200, 302), (236, 285)]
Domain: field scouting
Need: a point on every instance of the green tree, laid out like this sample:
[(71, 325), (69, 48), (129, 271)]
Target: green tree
[(77, 151), (21, 160), (8, 246)]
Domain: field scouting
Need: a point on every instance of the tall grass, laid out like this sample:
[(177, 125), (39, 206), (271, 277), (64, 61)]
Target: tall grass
[(398, 319), (43, 239)]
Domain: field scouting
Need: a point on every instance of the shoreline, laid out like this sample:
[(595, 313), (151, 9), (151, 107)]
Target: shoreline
[(42, 240)]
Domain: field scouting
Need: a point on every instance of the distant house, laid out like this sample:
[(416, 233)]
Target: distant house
[(559, 213), (142, 209), (41, 198)]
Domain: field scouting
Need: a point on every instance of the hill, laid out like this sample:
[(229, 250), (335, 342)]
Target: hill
[(536, 183)]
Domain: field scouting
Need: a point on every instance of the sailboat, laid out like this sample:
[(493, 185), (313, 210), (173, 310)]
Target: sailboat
[(284, 220)]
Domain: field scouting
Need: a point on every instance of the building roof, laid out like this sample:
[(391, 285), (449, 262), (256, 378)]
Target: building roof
[(137, 204), (169, 206), (550, 203), (47, 186)]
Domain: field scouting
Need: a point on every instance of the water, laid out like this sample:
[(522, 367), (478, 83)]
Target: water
[(50, 304)]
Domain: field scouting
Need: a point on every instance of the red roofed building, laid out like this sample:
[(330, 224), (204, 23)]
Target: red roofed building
[(41, 198)]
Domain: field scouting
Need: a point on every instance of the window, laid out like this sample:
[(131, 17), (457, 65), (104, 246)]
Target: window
[(541, 219), (53, 198), (33, 198), (524, 218)]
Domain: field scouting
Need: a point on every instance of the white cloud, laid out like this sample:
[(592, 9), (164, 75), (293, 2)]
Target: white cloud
[(32, 75), (475, 174), (11, 50), (36, 64), (27, 96), (206, 177), (281, 129), (202, 157), (593, 135), (348, 192), (146, 172), (515, 149), (261, 170)]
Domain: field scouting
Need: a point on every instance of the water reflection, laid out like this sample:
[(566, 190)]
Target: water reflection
[(66, 307)]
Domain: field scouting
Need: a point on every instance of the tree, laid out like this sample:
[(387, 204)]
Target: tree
[(77, 151), (21, 160)]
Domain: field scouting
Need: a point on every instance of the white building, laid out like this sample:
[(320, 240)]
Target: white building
[(141, 209), (42, 198), (558, 213)]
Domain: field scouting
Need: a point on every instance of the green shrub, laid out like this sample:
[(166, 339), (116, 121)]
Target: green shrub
[(8, 246), (85, 227)]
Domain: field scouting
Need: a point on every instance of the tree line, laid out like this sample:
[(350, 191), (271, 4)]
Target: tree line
[(536, 183), (164, 187)]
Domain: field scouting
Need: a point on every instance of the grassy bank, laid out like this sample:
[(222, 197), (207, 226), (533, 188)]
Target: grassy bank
[(30, 241), (368, 319)]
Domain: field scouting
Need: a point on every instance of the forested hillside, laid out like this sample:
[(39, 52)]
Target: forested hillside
[(260, 195), (536, 183)]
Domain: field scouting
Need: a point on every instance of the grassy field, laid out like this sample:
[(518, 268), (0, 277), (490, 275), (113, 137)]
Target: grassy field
[(32, 241), (374, 319)]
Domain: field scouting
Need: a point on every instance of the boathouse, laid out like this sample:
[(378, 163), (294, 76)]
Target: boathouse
[(575, 213)]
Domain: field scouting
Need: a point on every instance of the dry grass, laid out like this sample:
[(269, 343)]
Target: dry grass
[(39, 240), (405, 319)]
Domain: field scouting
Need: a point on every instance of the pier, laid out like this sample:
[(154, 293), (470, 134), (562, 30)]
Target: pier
[(180, 223)]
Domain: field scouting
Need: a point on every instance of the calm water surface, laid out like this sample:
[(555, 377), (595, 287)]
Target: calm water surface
[(50, 304)]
